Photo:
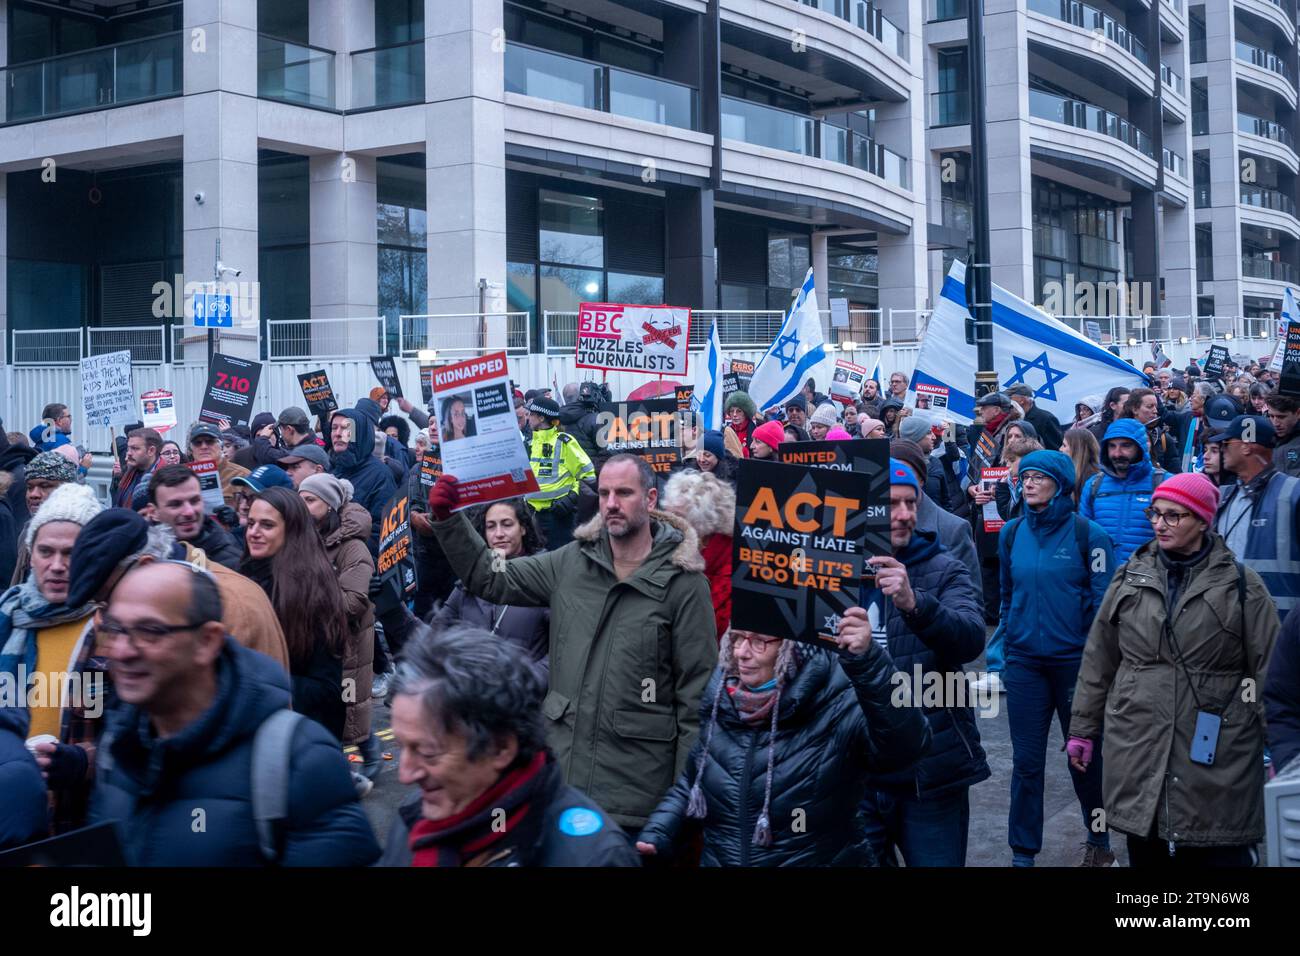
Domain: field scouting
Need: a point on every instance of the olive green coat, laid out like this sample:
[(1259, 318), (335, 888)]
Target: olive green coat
[(1133, 695)]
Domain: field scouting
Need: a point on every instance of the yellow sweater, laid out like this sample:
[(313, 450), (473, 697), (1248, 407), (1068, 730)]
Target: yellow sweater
[(54, 650)]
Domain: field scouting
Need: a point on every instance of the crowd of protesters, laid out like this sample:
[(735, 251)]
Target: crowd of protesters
[(564, 682)]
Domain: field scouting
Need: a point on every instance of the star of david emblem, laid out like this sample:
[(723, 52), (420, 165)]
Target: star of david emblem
[(1048, 389), (831, 624), (791, 341)]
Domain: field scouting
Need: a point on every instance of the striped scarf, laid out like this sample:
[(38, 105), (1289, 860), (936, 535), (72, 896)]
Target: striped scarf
[(23, 612)]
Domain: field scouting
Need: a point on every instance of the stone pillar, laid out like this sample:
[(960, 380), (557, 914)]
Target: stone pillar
[(344, 256), (691, 267), (1225, 173), (1011, 235), (219, 159)]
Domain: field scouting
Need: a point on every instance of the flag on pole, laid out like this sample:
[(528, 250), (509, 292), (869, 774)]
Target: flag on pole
[(798, 349), (1288, 315), (875, 375), (1029, 347), (706, 399)]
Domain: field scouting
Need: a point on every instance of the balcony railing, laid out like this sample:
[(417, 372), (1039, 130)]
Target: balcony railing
[(145, 69), (1171, 79), (1093, 20), (867, 17), (950, 109), (1262, 197), (937, 10), (1051, 241), (295, 73), (594, 86), (1258, 126), (1259, 267), (1263, 58), (762, 125), (1060, 109), (388, 76), (1175, 163)]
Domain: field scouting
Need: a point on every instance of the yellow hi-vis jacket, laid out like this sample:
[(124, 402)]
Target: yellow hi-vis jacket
[(560, 465)]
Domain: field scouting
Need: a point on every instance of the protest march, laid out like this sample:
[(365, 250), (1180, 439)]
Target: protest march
[(788, 609)]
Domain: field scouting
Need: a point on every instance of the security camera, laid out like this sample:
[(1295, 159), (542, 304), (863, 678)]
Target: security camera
[(224, 269), (199, 196)]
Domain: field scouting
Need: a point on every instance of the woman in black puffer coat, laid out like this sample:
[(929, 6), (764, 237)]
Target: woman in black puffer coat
[(785, 753)]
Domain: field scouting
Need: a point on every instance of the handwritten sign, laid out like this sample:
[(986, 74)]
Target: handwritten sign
[(106, 389)]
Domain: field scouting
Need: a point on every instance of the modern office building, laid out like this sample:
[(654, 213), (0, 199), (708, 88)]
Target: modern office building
[(459, 157)]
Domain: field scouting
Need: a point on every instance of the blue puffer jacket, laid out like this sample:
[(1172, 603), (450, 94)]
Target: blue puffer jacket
[(372, 482), (24, 803), (1051, 591), (153, 786), (944, 631), (1119, 503)]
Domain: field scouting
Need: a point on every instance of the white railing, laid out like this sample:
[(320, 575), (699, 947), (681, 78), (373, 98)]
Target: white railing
[(463, 334), (1171, 329), (299, 340), (147, 344)]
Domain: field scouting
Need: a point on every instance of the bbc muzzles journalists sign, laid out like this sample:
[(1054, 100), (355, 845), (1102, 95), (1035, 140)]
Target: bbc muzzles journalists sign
[(616, 337)]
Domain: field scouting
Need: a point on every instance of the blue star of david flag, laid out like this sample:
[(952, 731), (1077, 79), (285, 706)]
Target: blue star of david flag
[(1029, 347), (794, 355)]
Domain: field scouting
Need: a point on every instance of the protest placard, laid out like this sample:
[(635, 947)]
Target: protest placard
[(396, 562), (683, 394), (106, 391), (158, 410), (736, 378), (800, 548), (846, 383), (867, 456), (645, 429), (480, 440), (317, 392), (426, 383), (934, 397), (989, 480), (430, 467), (209, 484), (232, 386), (633, 338), (386, 371), (1214, 361), (1289, 381)]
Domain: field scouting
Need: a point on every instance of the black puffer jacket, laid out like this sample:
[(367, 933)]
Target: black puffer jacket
[(528, 627), (835, 726), (944, 631), (219, 544)]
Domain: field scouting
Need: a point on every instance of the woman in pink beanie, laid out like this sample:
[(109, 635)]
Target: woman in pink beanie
[(767, 435), (1183, 633)]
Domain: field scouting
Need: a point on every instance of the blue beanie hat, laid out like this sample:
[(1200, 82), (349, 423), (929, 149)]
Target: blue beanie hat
[(714, 444), (901, 474)]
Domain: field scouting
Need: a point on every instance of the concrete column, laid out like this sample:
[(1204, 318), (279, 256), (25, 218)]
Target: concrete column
[(1225, 173), (464, 66), (692, 276), (819, 267), (342, 26), (344, 256), (219, 156), (1011, 236), (1178, 259)]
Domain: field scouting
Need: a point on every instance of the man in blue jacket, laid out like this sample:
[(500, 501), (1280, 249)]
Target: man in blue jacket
[(1117, 499), (925, 612), (178, 768), (24, 802), (352, 456), (1056, 567)]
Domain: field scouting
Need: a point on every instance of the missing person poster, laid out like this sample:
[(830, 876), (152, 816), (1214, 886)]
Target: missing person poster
[(317, 392), (800, 548), (646, 429), (386, 371), (209, 484), (158, 410), (846, 383), (232, 386), (633, 338), (480, 441), (934, 397), (990, 478)]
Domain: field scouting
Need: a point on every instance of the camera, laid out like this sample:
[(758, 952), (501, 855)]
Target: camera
[(593, 393)]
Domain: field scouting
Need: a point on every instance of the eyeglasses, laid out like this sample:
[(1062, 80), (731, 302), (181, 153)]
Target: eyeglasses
[(142, 635), (1170, 518), (757, 644), (1034, 478)]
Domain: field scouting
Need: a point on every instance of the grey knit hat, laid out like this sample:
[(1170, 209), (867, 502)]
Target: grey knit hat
[(335, 492), (53, 466), (825, 415)]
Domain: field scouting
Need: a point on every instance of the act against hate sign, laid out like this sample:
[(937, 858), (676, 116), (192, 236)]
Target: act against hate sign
[(633, 338)]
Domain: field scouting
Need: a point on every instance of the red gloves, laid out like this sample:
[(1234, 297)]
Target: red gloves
[(444, 496), (1079, 750)]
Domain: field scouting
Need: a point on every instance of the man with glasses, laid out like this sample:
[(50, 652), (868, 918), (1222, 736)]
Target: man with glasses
[(898, 386), (1258, 516), (178, 769), (205, 445), (1171, 673), (1284, 415), (54, 429)]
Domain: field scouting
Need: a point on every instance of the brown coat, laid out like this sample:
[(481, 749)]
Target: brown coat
[(1131, 687), (229, 471), (246, 611), (350, 555)]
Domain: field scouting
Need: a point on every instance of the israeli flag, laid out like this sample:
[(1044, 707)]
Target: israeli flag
[(1288, 315), (795, 354), (1029, 347), (706, 399)]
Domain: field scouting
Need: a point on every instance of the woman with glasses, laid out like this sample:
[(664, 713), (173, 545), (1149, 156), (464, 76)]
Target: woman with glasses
[(790, 733), (171, 454), (285, 555), (1172, 676), (1055, 566)]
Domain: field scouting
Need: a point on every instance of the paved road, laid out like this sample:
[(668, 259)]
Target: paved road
[(1063, 831)]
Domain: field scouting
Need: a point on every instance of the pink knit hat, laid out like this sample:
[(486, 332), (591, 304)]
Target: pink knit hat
[(770, 433), (1193, 491), (838, 434)]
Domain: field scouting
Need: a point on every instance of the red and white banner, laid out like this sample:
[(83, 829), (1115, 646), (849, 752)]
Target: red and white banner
[(633, 338), (478, 432)]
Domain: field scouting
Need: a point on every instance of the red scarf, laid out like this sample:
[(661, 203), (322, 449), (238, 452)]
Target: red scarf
[(450, 841), (743, 435), (992, 427)]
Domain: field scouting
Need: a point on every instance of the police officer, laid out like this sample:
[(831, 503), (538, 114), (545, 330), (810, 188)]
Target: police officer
[(561, 467)]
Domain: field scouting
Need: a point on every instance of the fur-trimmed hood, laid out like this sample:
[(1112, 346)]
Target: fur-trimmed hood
[(666, 527)]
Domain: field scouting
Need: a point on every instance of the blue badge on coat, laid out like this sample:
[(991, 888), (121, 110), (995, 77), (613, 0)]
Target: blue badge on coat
[(579, 821)]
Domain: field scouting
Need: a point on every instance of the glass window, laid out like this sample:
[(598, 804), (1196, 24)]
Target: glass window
[(46, 295), (733, 295), (563, 290), (286, 19), (521, 287), (953, 74), (570, 229), (398, 21), (788, 258), (639, 290)]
